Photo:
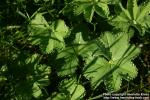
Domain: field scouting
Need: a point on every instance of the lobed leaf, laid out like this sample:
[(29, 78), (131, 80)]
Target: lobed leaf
[(112, 70), (88, 7), (48, 37)]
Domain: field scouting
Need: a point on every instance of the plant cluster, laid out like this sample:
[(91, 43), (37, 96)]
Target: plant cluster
[(72, 49)]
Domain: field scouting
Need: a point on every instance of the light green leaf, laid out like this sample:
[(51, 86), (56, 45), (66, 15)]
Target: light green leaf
[(39, 74), (36, 91), (48, 37), (59, 96), (80, 9), (102, 9), (132, 8), (88, 13), (88, 7), (128, 70), (79, 39), (43, 71), (2, 79), (76, 91), (36, 1), (79, 47), (134, 16), (143, 10), (102, 50), (96, 70), (113, 82), (111, 71), (125, 12), (116, 43)]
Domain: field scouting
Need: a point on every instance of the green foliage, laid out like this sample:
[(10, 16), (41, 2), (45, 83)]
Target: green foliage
[(80, 47), (74, 89), (29, 75), (134, 15), (109, 65), (49, 52), (88, 7), (112, 70), (48, 37)]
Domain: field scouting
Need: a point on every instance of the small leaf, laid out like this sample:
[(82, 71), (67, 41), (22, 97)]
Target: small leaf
[(88, 13), (88, 7), (36, 90), (102, 9), (80, 8)]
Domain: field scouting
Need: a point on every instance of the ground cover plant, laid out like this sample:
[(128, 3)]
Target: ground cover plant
[(73, 49)]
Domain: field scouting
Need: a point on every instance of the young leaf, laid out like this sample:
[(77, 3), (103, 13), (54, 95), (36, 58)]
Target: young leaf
[(36, 90)]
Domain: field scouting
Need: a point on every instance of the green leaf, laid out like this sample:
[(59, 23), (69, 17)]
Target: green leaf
[(40, 71), (36, 90), (95, 70), (113, 82), (102, 9), (48, 37), (134, 16), (71, 57), (80, 8), (102, 51), (39, 75), (70, 65), (116, 43), (2, 78), (36, 1), (111, 71), (88, 14), (79, 39), (128, 70), (76, 91), (125, 12), (59, 96), (79, 47), (132, 8), (28, 75), (88, 7), (143, 10), (43, 72)]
